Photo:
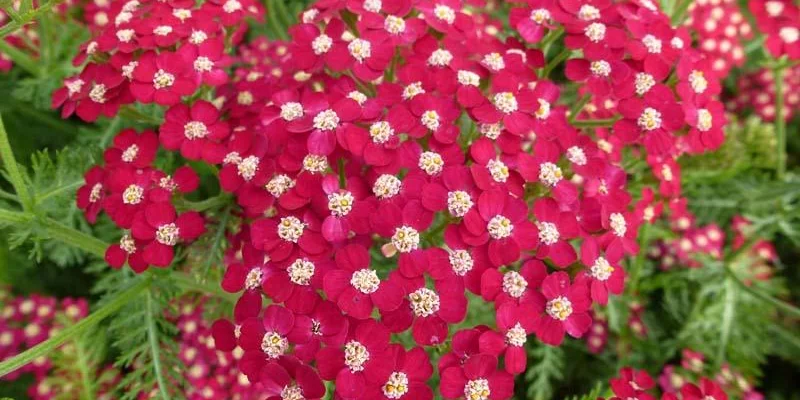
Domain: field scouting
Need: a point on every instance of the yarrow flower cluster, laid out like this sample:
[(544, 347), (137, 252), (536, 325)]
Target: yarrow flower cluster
[(390, 158)]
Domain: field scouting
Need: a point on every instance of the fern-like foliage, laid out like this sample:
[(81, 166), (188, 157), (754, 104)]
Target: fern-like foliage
[(78, 369), (545, 371), (145, 339)]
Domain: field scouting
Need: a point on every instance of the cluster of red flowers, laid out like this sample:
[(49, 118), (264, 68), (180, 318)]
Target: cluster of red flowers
[(392, 157), (720, 29), (687, 381), (756, 92), (777, 20), (28, 321)]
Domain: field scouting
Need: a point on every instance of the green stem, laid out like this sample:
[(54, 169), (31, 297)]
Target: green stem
[(216, 242), (19, 58), (551, 37), (638, 263), (780, 121), (678, 14), (54, 192), (272, 16), (286, 17), (26, 18), (58, 231), (188, 283), (595, 123), (578, 107), (69, 332), (155, 349), (563, 55), (81, 355), (14, 172), (207, 204), (129, 112), (728, 314), (786, 307)]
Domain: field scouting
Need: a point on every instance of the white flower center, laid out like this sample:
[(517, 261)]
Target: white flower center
[(274, 345), (373, 5), (498, 170), (310, 15), (360, 49), (203, 64), (789, 34), (430, 119), (254, 279), (127, 69), (514, 284), (321, 44), (517, 336), (245, 98), (548, 233), (381, 132), (167, 234), (340, 203), (292, 392), (444, 13), (301, 271), (248, 167), (494, 61), (499, 227), (440, 58), (550, 174), (326, 120), (290, 229), (643, 82), (704, 120), (123, 18), (544, 109), (559, 308), (600, 68), (394, 25), (315, 163), (365, 281), (459, 203), (540, 15), (424, 302), (162, 30), (618, 224), (133, 194), (396, 386), (650, 119), (601, 269), (163, 79), (98, 93), (412, 90), (491, 131), (506, 102), (386, 186), (468, 78), (128, 244), (477, 389), (198, 37), (195, 130), (130, 153), (74, 86), (358, 97), (676, 43), (231, 6), (405, 239), (576, 155), (91, 48), (355, 356), (652, 43), (461, 262), (595, 31), (430, 162), (279, 185), (182, 14), (125, 35), (588, 12), (96, 192), (697, 81)]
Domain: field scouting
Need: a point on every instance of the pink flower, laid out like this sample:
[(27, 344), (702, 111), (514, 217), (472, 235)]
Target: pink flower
[(135, 149), (356, 288), (514, 324), (283, 236), (404, 228), (412, 369), (655, 118), (296, 282), (207, 61), (512, 286), (90, 196), (566, 309), (98, 90), (555, 227), (707, 390), (269, 339), (328, 326), (196, 131), (162, 78), (603, 273), (296, 379), (543, 167), (127, 250), (347, 208), (478, 378), (632, 384), (160, 225)]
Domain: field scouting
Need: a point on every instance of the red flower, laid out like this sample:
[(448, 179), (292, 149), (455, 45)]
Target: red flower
[(500, 220), (445, 16), (632, 384), (282, 236), (512, 103), (603, 273), (269, 339), (162, 78), (514, 324), (135, 149), (379, 144), (411, 371), (347, 208), (706, 120), (555, 227), (128, 192), (479, 378), (99, 89), (655, 117), (566, 309), (512, 286), (90, 196), (127, 250), (207, 60), (296, 380), (543, 167), (249, 273), (195, 131), (533, 21), (160, 225), (328, 326), (296, 283), (312, 49), (455, 192), (603, 73), (356, 288), (404, 227), (363, 360), (707, 390)]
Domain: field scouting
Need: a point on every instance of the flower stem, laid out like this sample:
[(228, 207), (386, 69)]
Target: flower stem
[(638, 263), (19, 58), (25, 18), (152, 336), (560, 57), (780, 121), (69, 332), (578, 107), (58, 231), (594, 123), (14, 173)]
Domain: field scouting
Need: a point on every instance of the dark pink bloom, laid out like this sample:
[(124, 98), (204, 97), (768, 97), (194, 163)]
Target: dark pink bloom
[(295, 379), (163, 228), (162, 78), (283, 236), (196, 131), (296, 282), (556, 227), (328, 326), (403, 227), (512, 286), (90, 196), (412, 369), (653, 119), (603, 272), (514, 324), (543, 167), (477, 378), (566, 309), (98, 90), (268, 339), (131, 148), (632, 384)]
